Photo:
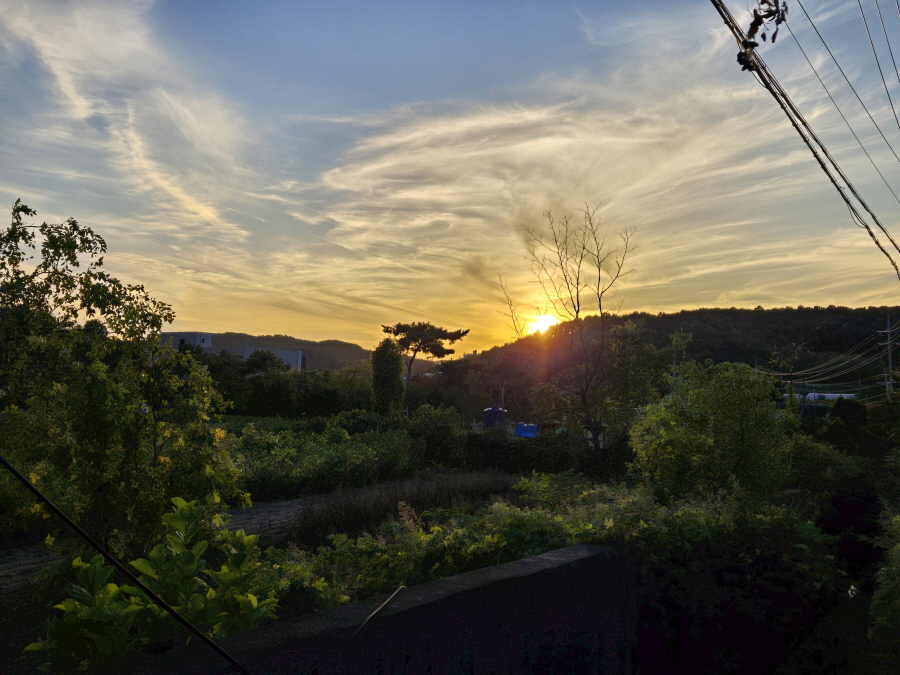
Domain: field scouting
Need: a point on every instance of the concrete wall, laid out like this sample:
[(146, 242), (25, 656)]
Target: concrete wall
[(569, 611)]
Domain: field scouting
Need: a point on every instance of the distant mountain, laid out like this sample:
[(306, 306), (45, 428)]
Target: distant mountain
[(324, 355)]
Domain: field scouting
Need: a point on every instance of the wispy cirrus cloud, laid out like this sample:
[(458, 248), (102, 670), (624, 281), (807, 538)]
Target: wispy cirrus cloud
[(330, 225), (116, 94)]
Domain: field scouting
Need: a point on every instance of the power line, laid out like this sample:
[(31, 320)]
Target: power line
[(890, 51), (877, 61), (821, 369), (840, 112), (850, 354), (843, 372), (880, 298), (853, 89), (755, 62)]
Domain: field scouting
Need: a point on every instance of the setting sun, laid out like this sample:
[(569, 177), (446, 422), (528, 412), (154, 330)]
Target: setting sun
[(540, 323)]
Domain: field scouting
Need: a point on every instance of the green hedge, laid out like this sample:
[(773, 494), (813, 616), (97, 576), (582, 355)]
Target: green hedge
[(289, 464)]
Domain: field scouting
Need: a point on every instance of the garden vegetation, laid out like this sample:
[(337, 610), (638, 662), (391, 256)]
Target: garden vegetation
[(728, 498)]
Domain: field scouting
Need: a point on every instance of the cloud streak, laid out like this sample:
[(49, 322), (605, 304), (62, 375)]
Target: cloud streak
[(330, 225)]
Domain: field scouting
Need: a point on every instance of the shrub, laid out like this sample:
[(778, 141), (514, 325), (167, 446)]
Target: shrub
[(362, 421), (550, 452), (885, 608), (718, 425), (100, 622), (288, 464), (125, 426), (439, 435), (702, 560)]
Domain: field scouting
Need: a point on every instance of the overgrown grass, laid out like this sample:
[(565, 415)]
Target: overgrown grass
[(692, 551), (291, 464), (357, 510)]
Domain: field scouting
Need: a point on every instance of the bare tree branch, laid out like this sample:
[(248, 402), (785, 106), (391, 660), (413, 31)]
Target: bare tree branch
[(512, 312)]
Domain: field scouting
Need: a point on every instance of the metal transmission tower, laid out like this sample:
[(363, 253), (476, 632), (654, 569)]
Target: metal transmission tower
[(753, 62)]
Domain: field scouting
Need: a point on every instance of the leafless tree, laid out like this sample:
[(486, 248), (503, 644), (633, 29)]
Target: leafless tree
[(577, 263), (512, 308)]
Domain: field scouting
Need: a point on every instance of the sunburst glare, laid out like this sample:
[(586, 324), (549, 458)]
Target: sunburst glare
[(542, 323)]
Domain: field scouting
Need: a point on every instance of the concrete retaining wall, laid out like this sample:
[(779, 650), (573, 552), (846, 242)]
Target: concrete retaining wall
[(569, 611)]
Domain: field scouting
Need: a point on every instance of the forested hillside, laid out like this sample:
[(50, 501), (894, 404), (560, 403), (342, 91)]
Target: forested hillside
[(324, 355), (782, 339), (752, 335)]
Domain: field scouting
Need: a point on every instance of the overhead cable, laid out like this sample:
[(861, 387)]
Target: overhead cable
[(843, 372), (877, 60), (890, 51), (850, 354), (806, 133), (841, 112), (852, 88)]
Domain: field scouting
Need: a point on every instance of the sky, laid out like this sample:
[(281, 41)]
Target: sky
[(320, 169)]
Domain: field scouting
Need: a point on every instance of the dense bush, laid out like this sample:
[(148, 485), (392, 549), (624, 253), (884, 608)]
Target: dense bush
[(550, 452), (362, 421), (885, 609), (126, 425), (101, 621), (289, 464), (439, 436), (705, 562), (717, 426)]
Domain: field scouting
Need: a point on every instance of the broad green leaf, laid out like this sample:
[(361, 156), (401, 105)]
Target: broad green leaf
[(39, 646), (144, 566)]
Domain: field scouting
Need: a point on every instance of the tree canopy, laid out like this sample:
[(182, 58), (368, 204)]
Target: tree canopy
[(718, 424), (423, 337), (388, 389), (106, 419)]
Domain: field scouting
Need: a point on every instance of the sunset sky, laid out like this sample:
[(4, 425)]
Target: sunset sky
[(318, 169)]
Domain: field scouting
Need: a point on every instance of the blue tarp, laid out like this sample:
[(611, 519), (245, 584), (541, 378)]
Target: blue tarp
[(526, 430)]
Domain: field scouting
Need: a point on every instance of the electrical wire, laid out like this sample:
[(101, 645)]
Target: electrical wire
[(858, 97), (813, 372), (831, 169), (843, 372), (841, 112), (880, 298), (890, 51), (877, 60), (850, 353), (808, 135)]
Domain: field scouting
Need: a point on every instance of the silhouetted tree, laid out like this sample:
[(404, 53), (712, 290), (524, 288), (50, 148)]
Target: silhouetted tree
[(423, 337), (265, 361), (577, 266), (388, 389)]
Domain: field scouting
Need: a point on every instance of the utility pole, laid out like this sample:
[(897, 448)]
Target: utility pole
[(889, 375)]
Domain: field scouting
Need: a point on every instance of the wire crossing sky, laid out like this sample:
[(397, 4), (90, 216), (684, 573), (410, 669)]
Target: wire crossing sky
[(321, 169)]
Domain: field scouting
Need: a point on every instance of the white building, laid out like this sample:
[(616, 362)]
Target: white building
[(292, 357)]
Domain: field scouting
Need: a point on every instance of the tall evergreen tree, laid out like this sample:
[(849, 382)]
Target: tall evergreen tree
[(388, 388)]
